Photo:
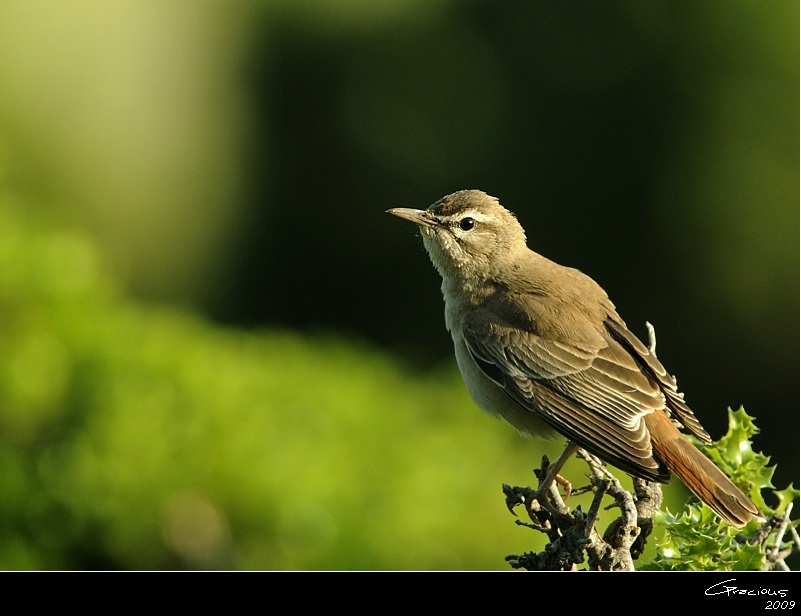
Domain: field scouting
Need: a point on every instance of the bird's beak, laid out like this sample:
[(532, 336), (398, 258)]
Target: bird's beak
[(418, 217)]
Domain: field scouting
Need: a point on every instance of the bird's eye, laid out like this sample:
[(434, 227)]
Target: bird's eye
[(466, 224)]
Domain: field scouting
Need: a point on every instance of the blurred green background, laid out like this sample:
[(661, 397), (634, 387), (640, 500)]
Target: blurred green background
[(219, 352)]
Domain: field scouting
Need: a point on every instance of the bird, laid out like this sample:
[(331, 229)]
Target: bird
[(542, 346)]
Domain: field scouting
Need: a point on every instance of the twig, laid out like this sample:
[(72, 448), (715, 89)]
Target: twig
[(572, 534), (776, 556)]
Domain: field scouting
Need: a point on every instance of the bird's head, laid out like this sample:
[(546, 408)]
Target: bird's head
[(467, 234)]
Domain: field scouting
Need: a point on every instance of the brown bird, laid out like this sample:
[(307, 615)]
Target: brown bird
[(542, 346)]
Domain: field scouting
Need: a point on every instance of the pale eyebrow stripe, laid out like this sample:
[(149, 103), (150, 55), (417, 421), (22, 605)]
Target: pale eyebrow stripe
[(474, 214)]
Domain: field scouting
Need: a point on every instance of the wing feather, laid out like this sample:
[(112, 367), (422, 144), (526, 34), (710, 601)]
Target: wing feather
[(594, 394)]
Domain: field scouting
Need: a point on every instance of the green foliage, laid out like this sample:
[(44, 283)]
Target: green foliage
[(697, 540), (140, 437)]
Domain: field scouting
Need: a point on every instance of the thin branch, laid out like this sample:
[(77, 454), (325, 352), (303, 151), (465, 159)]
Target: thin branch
[(573, 537), (779, 551)]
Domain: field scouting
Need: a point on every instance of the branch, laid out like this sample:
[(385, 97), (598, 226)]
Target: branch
[(573, 537), (778, 527)]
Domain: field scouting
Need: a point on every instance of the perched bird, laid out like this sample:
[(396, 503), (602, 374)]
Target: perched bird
[(542, 346)]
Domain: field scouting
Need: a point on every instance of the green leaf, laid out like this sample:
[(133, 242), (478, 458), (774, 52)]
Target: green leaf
[(697, 540), (785, 497), (734, 455)]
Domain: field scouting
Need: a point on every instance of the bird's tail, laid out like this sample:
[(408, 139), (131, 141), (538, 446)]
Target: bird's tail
[(698, 472)]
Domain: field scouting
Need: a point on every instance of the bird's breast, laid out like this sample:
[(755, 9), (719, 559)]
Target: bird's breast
[(492, 398)]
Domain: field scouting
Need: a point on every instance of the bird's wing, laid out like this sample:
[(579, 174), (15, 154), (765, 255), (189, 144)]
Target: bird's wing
[(595, 392), (667, 383)]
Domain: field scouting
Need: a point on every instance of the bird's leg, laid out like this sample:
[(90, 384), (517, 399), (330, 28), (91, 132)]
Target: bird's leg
[(565, 483), (553, 471)]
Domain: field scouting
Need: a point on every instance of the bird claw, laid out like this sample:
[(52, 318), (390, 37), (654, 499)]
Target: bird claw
[(565, 484)]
